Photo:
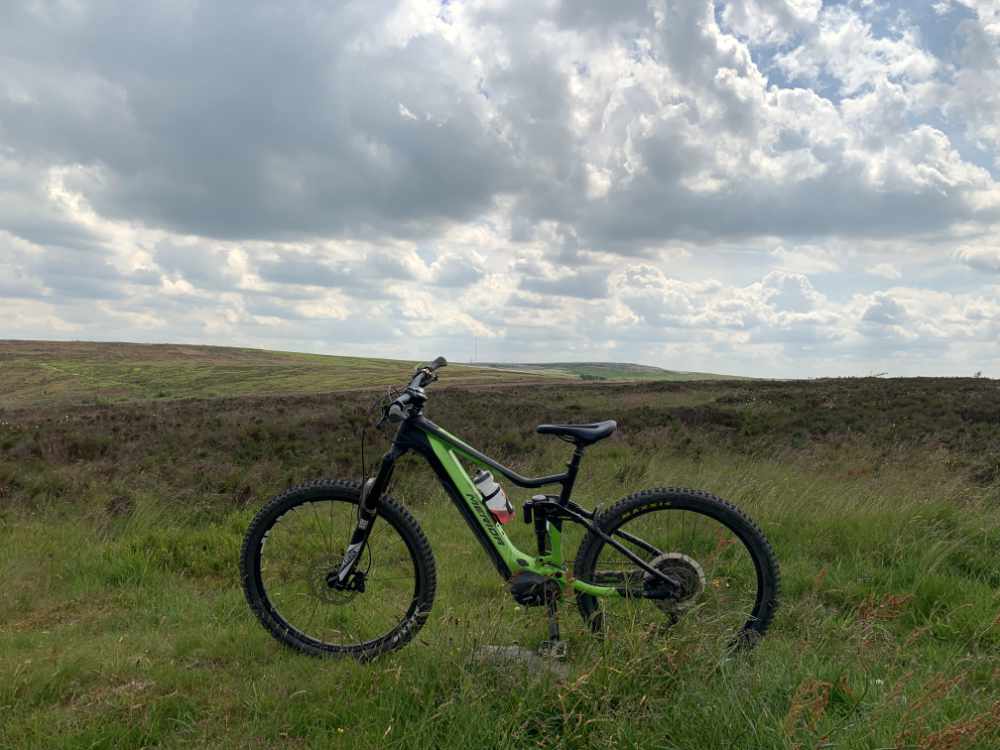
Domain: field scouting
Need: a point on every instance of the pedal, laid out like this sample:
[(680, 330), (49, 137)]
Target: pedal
[(553, 650)]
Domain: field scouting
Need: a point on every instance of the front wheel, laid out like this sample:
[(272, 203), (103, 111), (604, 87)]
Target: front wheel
[(727, 570), (294, 546)]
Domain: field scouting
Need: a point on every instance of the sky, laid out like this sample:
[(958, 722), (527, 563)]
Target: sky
[(775, 188)]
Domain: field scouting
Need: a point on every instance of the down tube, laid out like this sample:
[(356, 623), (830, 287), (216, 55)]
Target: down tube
[(514, 559)]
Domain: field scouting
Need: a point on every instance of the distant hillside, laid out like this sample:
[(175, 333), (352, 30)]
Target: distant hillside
[(607, 371), (37, 372)]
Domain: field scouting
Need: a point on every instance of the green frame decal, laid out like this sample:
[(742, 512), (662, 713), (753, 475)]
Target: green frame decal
[(550, 564)]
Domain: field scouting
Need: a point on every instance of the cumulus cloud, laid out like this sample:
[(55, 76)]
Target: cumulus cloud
[(981, 258), (884, 270), (741, 180)]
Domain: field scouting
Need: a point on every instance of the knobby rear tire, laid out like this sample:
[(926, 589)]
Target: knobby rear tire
[(390, 512), (672, 498)]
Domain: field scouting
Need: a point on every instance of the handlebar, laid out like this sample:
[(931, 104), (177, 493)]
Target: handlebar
[(396, 411), (423, 376)]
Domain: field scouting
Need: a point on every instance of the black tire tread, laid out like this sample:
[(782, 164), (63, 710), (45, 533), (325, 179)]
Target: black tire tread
[(392, 511), (609, 520)]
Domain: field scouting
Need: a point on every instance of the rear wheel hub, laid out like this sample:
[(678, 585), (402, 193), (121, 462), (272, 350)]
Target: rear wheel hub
[(684, 569)]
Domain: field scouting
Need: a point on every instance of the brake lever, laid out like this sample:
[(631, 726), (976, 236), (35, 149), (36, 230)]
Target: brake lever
[(385, 408)]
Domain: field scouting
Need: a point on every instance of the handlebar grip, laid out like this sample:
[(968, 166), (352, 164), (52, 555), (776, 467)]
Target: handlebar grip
[(432, 366), (424, 374), (396, 413)]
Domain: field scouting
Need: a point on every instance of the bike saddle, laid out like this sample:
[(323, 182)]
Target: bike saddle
[(581, 434)]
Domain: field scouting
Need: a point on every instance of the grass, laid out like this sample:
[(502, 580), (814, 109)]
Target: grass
[(122, 623), (33, 372)]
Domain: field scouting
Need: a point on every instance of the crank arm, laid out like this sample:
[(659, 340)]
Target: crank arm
[(630, 584)]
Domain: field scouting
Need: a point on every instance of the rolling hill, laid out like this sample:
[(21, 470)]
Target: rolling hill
[(607, 371), (40, 372)]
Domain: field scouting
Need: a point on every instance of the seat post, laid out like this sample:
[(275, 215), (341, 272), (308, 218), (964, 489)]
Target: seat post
[(571, 469)]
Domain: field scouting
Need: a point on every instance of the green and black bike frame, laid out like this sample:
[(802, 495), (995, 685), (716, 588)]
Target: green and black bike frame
[(444, 452)]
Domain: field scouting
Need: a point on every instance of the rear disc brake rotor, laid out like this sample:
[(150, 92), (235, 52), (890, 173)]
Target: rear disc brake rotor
[(684, 569)]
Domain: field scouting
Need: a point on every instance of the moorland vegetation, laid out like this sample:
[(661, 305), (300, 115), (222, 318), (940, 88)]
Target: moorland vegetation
[(122, 622)]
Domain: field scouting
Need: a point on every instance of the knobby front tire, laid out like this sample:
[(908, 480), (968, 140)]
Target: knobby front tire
[(731, 577), (300, 536)]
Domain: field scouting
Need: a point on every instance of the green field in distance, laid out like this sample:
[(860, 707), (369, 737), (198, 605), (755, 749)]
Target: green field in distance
[(40, 372), (44, 372), (608, 371)]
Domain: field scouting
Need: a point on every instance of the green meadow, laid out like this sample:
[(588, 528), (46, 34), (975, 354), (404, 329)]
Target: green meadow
[(66, 373), (123, 625)]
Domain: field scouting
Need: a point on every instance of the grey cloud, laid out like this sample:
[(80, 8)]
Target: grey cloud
[(370, 276), (455, 271), (977, 47), (79, 275), (202, 266), (885, 311), (591, 284), (599, 15), (386, 264), (15, 284), (985, 259), (25, 210), (57, 273), (792, 292), (242, 120), (270, 307), (239, 121), (294, 269), (530, 302), (651, 210), (145, 276), (594, 133)]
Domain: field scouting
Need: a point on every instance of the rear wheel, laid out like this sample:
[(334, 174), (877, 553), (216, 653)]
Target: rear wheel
[(298, 540), (727, 571)]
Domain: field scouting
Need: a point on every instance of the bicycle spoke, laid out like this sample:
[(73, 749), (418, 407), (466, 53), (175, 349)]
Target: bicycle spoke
[(718, 570), (302, 552)]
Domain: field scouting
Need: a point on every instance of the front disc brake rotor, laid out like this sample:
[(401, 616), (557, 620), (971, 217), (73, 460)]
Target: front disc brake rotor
[(684, 569), (319, 587)]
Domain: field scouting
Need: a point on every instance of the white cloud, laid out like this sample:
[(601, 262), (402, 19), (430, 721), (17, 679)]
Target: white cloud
[(645, 180), (806, 259), (980, 258), (885, 271), (843, 46), (770, 21)]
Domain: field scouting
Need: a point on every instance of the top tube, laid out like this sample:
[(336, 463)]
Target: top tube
[(422, 423)]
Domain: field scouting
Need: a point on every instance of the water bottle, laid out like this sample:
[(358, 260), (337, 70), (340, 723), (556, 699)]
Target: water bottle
[(494, 497)]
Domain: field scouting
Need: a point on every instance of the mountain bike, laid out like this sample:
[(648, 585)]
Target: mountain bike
[(336, 568)]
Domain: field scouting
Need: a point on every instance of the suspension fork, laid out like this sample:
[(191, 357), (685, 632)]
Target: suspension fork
[(371, 496)]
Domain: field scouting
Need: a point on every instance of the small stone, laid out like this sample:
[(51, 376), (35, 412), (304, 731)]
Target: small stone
[(521, 657)]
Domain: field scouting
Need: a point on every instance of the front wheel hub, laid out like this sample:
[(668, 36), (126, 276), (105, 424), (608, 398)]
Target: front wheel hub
[(323, 583)]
